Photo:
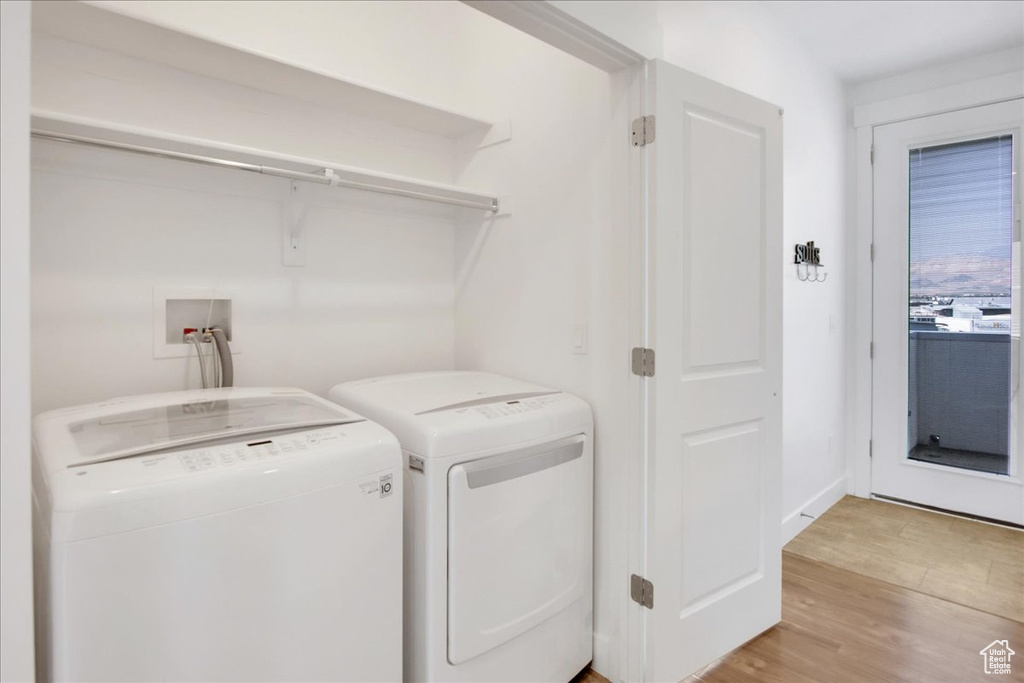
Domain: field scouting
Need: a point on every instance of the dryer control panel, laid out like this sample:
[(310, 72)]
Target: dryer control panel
[(501, 409)]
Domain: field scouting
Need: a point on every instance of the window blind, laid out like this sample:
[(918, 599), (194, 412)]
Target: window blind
[(961, 218)]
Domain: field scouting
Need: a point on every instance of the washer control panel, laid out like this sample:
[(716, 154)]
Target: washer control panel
[(259, 449)]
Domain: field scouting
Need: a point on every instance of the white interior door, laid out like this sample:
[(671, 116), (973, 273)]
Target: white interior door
[(946, 375), (714, 469)]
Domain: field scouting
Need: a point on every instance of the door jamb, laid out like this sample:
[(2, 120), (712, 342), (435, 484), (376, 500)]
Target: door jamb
[(633, 663), (859, 465)]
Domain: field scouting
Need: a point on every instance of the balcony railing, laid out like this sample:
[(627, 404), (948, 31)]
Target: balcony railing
[(960, 393)]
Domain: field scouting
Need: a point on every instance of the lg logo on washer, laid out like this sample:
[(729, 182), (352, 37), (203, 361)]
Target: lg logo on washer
[(384, 487)]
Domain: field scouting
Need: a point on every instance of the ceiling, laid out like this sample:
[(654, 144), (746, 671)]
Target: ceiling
[(863, 40)]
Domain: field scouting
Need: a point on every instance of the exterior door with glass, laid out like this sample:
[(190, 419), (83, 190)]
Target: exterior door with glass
[(946, 398)]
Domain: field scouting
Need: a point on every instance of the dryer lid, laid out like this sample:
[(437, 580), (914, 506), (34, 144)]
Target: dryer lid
[(126, 433), (437, 414)]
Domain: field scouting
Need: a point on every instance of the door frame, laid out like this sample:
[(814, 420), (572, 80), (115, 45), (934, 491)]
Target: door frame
[(641, 389), (987, 495), (860, 289)]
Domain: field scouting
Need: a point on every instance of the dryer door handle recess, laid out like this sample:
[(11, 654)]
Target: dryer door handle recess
[(522, 462)]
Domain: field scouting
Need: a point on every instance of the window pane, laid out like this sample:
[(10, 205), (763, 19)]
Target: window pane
[(961, 247)]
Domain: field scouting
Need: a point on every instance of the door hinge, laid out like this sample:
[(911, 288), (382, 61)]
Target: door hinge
[(872, 154), (641, 591), (643, 131), (643, 362), (871, 448), (872, 252), (871, 350)]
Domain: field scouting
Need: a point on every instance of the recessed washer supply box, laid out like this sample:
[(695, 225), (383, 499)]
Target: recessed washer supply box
[(176, 309)]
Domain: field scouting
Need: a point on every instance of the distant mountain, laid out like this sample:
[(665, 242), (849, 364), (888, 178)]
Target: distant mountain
[(948, 275)]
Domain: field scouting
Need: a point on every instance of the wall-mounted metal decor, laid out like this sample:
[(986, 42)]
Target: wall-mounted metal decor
[(810, 257)]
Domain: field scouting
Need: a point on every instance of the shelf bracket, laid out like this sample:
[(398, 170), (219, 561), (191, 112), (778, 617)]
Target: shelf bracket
[(295, 209), (294, 218)]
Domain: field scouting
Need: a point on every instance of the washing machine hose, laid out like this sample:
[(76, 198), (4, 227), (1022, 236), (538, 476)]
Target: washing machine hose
[(227, 369)]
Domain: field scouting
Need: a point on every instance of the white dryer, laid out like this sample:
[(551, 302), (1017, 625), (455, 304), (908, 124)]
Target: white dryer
[(499, 523), (217, 535)]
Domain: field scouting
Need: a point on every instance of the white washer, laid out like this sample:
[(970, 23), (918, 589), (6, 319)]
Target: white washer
[(217, 535), (499, 523)]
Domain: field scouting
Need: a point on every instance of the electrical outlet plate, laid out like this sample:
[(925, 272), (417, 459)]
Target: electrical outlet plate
[(163, 347)]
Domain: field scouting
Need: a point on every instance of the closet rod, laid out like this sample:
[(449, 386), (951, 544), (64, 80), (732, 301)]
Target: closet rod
[(478, 202)]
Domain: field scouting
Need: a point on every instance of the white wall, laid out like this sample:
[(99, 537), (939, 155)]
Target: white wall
[(743, 46), (375, 294), (389, 288), (16, 650)]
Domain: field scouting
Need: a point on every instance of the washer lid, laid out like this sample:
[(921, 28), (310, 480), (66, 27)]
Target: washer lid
[(121, 433)]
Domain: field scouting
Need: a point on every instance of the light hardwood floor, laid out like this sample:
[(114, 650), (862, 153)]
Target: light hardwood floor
[(842, 627), (967, 562), (876, 592)]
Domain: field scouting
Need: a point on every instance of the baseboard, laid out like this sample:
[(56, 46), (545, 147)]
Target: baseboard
[(813, 508)]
